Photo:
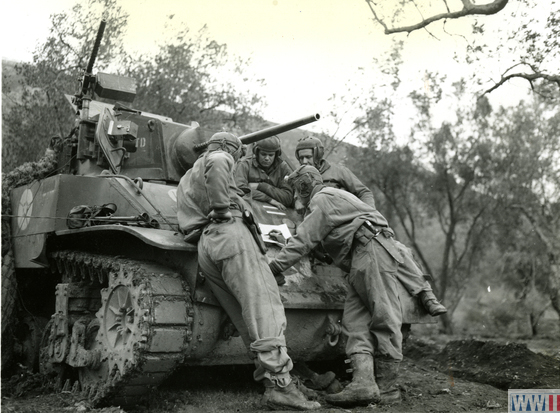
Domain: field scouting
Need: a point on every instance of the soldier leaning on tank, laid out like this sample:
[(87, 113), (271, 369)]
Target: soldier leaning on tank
[(310, 151), (262, 175), (236, 269), (359, 241)]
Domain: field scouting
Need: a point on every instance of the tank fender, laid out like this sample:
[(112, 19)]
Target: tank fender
[(164, 239)]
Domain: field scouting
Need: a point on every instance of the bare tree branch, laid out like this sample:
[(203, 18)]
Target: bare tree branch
[(530, 77), (469, 9)]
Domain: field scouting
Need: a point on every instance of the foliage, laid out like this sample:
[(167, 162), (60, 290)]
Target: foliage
[(188, 80), (526, 33), (40, 109), (181, 81), (527, 186)]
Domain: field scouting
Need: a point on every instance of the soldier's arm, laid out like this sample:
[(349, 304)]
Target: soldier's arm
[(314, 228), (218, 173), (282, 191), (356, 187), (242, 177)]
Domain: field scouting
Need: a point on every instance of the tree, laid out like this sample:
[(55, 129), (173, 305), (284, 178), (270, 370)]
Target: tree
[(528, 40), (189, 79), (527, 185), (435, 181), (39, 108), (180, 81)]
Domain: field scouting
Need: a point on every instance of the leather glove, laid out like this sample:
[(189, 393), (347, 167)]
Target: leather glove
[(220, 215)]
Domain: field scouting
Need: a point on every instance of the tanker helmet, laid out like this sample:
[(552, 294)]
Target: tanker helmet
[(304, 179), (227, 142), (315, 144), (271, 144)]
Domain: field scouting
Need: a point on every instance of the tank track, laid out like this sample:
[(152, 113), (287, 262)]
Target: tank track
[(140, 331)]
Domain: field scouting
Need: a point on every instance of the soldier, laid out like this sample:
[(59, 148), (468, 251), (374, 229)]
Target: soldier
[(262, 175), (358, 239), (235, 268), (310, 151)]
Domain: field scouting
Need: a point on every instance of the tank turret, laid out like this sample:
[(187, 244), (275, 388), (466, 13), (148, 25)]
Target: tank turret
[(125, 141)]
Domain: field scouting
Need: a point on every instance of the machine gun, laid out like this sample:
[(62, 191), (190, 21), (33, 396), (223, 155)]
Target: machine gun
[(133, 143)]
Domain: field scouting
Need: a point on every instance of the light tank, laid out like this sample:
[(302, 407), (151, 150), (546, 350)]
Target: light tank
[(103, 271)]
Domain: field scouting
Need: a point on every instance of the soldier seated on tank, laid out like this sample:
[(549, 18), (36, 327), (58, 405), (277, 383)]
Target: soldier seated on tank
[(310, 151), (262, 176)]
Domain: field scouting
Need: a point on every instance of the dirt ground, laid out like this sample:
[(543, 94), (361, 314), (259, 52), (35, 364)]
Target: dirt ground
[(439, 374)]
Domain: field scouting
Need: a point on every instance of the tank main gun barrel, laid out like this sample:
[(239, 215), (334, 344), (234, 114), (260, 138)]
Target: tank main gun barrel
[(275, 130), (268, 132)]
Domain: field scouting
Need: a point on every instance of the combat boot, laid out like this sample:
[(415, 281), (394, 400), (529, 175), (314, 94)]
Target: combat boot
[(286, 398), (431, 304), (386, 374), (362, 390)]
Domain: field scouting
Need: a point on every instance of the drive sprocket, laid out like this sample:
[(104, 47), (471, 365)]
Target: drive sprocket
[(139, 333)]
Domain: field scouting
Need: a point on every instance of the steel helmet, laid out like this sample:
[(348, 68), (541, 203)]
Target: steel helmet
[(315, 144), (227, 142), (271, 144)]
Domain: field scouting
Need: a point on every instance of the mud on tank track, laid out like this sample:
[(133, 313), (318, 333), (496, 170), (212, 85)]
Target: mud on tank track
[(138, 335)]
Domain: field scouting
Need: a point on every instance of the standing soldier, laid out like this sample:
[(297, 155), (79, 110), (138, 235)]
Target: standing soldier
[(262, 175), (310, 151), (238, 273), (357, 238)]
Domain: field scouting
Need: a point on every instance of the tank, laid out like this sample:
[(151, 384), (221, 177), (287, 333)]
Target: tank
[(114, 299)]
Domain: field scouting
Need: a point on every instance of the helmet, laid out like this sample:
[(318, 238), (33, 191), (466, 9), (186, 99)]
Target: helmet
[(271, 144), (304, 179), (227, 142), (315, 144)]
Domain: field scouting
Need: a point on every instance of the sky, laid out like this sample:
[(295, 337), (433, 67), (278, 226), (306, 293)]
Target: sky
[(305, 50)]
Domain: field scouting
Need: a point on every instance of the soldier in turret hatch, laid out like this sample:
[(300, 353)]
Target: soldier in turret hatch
[(262, 176), (310, 151), (236, 269)]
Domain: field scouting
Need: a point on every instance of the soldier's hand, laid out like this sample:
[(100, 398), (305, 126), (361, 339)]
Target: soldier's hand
[(277, 204), (277, 236), (220, 216), (254, 185)]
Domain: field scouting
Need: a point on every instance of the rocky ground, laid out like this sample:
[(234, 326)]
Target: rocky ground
[(439, 374)]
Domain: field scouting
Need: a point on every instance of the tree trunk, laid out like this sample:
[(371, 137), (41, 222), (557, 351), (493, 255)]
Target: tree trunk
[(446, 326), (534, 324)]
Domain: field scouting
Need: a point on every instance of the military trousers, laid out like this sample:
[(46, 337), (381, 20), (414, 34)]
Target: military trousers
[(372, 316), (409, 273), (241, 280)]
